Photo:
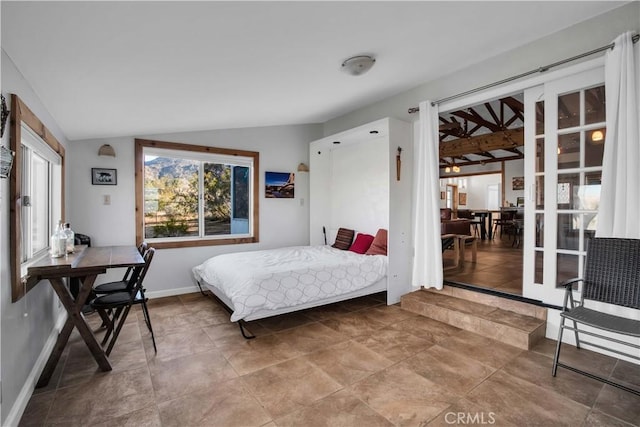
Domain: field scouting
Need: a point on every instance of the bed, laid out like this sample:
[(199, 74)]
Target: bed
[(259, 284)]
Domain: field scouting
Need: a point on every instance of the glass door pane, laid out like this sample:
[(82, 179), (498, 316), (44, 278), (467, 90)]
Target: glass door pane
[(566, 143)]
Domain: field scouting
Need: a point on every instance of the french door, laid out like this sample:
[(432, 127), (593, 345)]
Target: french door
[(564, 143)]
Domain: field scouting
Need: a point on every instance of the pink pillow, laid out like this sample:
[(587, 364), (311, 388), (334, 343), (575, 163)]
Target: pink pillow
[(379, 244), (362, 243)]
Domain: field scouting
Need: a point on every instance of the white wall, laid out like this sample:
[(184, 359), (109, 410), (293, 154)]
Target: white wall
[(360, 186), (477, 190), (283, 222), (512, 169), (476, 185), (29, 325)]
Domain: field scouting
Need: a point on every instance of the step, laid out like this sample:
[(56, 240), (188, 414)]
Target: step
[(490, 317)]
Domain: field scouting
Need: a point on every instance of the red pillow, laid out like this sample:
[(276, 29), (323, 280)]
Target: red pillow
[(362, 243), (379, 245)]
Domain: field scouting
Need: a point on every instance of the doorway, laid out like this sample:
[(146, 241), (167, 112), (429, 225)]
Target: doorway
[(451, 200), (482, 160)]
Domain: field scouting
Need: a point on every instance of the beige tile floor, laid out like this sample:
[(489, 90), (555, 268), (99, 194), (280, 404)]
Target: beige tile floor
[(357, 363)]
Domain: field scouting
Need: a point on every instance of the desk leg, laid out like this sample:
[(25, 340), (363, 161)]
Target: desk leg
[(490, 231), (76, 319), (483, 228)]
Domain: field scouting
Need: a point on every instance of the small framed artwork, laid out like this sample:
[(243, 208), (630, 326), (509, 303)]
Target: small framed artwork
[(100, 176), (520, 202), (517, 183), (442, 195), (279, 185), (462, 199)]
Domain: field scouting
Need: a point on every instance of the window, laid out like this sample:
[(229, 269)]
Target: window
[(190, 195), (35, 191), (40, 182)]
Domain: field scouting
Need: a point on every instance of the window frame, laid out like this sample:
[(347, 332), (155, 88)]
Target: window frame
[(22, 115), (141, 144), (34, 148)]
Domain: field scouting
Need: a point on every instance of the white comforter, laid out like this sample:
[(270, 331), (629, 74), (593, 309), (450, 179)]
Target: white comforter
[(286, 277)]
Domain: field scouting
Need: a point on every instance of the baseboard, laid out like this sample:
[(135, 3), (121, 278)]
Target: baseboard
[(17, 410), (171, 292)]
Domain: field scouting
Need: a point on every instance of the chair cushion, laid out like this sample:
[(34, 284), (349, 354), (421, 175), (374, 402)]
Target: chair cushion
[(107, 288), (110, 300), (456, 226)]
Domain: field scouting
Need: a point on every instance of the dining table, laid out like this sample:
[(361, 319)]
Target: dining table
[(85, 264), (486, 220)]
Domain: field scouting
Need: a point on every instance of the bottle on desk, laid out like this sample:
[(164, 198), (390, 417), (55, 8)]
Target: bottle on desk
[(58, 242), (70, 238)]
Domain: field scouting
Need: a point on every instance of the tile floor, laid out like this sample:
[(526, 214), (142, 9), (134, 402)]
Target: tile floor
[(498, 266), (356, 363)]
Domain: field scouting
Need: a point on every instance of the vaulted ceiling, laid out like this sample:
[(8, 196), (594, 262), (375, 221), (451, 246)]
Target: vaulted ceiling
[(485, 133)]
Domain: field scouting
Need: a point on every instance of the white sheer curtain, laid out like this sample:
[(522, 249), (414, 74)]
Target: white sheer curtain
[(427, 262), (619, 211)]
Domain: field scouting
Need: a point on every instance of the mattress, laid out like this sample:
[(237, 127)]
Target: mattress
[(286, 277)]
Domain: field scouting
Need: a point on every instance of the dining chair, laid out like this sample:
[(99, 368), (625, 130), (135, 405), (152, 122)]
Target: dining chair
[(114, 307), (120, 285), (505, 222)]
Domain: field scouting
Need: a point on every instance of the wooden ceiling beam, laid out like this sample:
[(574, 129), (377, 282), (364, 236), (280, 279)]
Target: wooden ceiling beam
[(513, 150), (511, 120), (516, 106), (475, 128), (477, 119), (449, 126), (483, 162), (482, 143), (493, 113), (486, 154), (474, 113)]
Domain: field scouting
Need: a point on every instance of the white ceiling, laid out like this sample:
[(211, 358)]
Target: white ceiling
[(132, 68)]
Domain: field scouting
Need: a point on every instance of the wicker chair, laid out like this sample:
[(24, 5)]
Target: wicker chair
[(612, 276)]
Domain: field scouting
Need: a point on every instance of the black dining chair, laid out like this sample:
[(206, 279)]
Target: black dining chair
[(120, 285), (114, 307), (505, 222)]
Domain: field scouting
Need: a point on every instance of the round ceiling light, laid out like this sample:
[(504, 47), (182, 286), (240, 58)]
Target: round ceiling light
[(358, 65), (597, 136)]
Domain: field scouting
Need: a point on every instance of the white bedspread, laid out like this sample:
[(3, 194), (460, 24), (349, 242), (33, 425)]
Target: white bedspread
[(286, 277)]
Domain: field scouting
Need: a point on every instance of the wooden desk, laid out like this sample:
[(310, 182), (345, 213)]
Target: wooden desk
[(85, 264)]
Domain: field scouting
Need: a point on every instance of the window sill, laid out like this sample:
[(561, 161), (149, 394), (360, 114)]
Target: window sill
[(159, 244)]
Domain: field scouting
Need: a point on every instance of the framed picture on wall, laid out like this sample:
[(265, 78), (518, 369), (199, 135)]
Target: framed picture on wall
[(517, 183), (279, 185), (462, 199), (100, 176)]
